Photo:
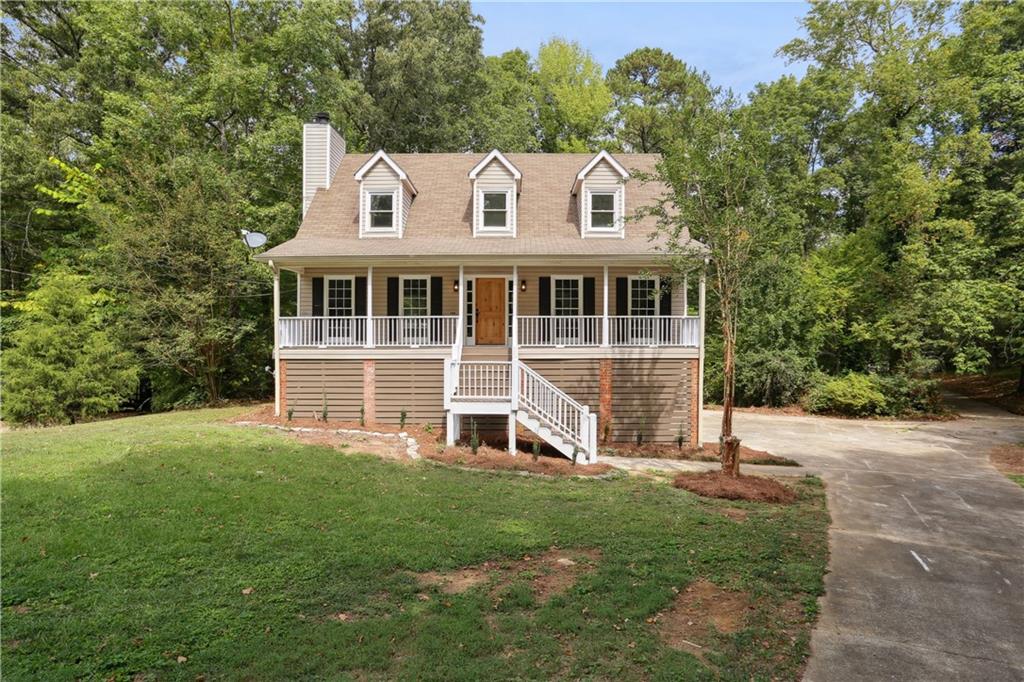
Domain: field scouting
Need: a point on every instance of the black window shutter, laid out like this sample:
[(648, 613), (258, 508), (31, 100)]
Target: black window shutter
[(544, 295), (622, 296), (318, 296), (589, 296), (392, 296), (436, 295), (666, 301), (360, 297)]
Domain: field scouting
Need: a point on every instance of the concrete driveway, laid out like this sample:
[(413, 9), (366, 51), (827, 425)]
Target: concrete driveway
[(926, 576)]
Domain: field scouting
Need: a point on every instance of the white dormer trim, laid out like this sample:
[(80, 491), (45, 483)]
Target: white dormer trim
[(496, 155), (602, 155), (381, 155), (507, 184)]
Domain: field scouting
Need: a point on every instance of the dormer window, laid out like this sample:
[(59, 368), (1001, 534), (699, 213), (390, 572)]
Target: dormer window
[(382, 211), (496, 210), (496, 184), (602, 211), (601, 189), (385, 195)]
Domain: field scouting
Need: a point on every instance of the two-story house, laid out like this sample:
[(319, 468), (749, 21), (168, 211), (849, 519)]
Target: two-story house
[(511, 287)]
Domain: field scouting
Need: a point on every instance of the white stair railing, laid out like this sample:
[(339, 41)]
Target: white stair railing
[(567, 418), (479, 380)]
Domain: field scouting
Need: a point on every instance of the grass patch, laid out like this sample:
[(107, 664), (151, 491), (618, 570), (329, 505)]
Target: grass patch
[(176, 545)]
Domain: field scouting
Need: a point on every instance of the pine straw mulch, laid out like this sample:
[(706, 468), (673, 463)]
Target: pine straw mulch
[(999, 389), (1009, 459), (708, 453), (493, 459), (742, 487)]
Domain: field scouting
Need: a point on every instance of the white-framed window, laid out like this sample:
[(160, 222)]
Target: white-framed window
[(496, 212), (414, 296), (339, 296), (511, 299), (381, 211), (643, 295), (495, 208), (602, 211), (566, 296), (469, 309)]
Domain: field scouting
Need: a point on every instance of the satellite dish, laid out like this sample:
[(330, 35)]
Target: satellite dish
[(254, 240)]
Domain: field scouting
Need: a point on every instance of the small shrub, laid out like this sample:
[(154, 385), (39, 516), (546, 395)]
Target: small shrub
[(401, 418), (362, 414), (906, 394), (536, 451), (639, 437), (291, 411), (607, 431), (854, 395), (679, 437), (323, 407), (575, 453), (474, 437), (428, 427)]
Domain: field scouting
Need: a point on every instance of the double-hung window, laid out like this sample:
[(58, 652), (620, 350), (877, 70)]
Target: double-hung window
[(415, 305), (495, 208), (602, 211), (643, 307), (382, 210)]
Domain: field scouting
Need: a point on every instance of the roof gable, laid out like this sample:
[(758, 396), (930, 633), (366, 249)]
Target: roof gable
[(602, 155), (382, 156), (496, 155)]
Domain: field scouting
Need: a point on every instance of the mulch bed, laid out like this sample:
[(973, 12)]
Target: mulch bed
[(1008, 459), (708, 453), (493, 459), (749, 488), (999, 389)]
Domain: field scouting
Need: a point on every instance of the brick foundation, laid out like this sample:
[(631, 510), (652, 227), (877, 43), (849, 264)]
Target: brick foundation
[(695, 404), (370, 390), (604, 409), (282, 383)]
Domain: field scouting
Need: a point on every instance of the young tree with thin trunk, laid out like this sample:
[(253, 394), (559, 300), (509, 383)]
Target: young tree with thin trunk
[(720, 197)]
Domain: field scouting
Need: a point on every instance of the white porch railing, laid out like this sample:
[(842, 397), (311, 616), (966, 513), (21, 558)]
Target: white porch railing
[(425, 330), (480, 380), (296, 332), (654, 330), (318, 332), (566, 417), (546, 330)]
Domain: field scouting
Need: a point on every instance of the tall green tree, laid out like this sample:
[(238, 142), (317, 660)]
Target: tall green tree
[(574, 103), (62, 362), (505, 113), (657, 97)]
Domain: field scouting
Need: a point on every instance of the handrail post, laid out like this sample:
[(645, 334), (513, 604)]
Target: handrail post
[(277, 341), (370, 341)]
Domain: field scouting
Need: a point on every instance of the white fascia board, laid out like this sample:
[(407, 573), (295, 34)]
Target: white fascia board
[(495, 154), (381, 155), (602, 155)]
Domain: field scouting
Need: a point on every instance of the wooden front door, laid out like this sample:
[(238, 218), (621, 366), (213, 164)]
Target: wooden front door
[(490, 311)]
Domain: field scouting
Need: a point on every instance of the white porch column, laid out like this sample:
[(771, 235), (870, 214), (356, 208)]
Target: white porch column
[(277, 340), (700, 364), (686, 293), (461, 312), (604, 312), (513, 378), (370, 341)]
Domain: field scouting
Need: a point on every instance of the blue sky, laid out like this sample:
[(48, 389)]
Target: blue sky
[(734, 43)]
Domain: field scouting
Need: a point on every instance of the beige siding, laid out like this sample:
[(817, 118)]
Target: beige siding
[(308, 382), (314, 161), (579, 378), (416, 386), (653, 397), (602, 178), (380, 178), (337, 153), (494, 178)]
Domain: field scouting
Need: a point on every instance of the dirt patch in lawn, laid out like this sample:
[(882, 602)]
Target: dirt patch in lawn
[(701, 611), (749, 488), (493, 459), (737, 515), (549, 574), (1008, 459), (707, 453)]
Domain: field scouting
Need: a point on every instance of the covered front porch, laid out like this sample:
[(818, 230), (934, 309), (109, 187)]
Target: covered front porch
[(526, 307)]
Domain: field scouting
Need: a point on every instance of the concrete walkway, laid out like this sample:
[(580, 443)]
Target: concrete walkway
[(926, 576)]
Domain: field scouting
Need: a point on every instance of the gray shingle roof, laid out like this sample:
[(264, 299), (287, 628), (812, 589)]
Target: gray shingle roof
[(440, 218)]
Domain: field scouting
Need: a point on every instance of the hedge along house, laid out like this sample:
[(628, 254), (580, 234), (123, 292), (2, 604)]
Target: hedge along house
[(514, 289)]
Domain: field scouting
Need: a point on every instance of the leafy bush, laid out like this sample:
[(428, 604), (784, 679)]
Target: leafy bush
[(854, 395), (772, 377), (907, 394), (63, 364)]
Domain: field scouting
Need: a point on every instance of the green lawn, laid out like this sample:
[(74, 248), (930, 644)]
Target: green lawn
[(127, 544)]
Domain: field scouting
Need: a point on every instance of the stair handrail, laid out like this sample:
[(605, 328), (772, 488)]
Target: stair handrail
[(580, 436)]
